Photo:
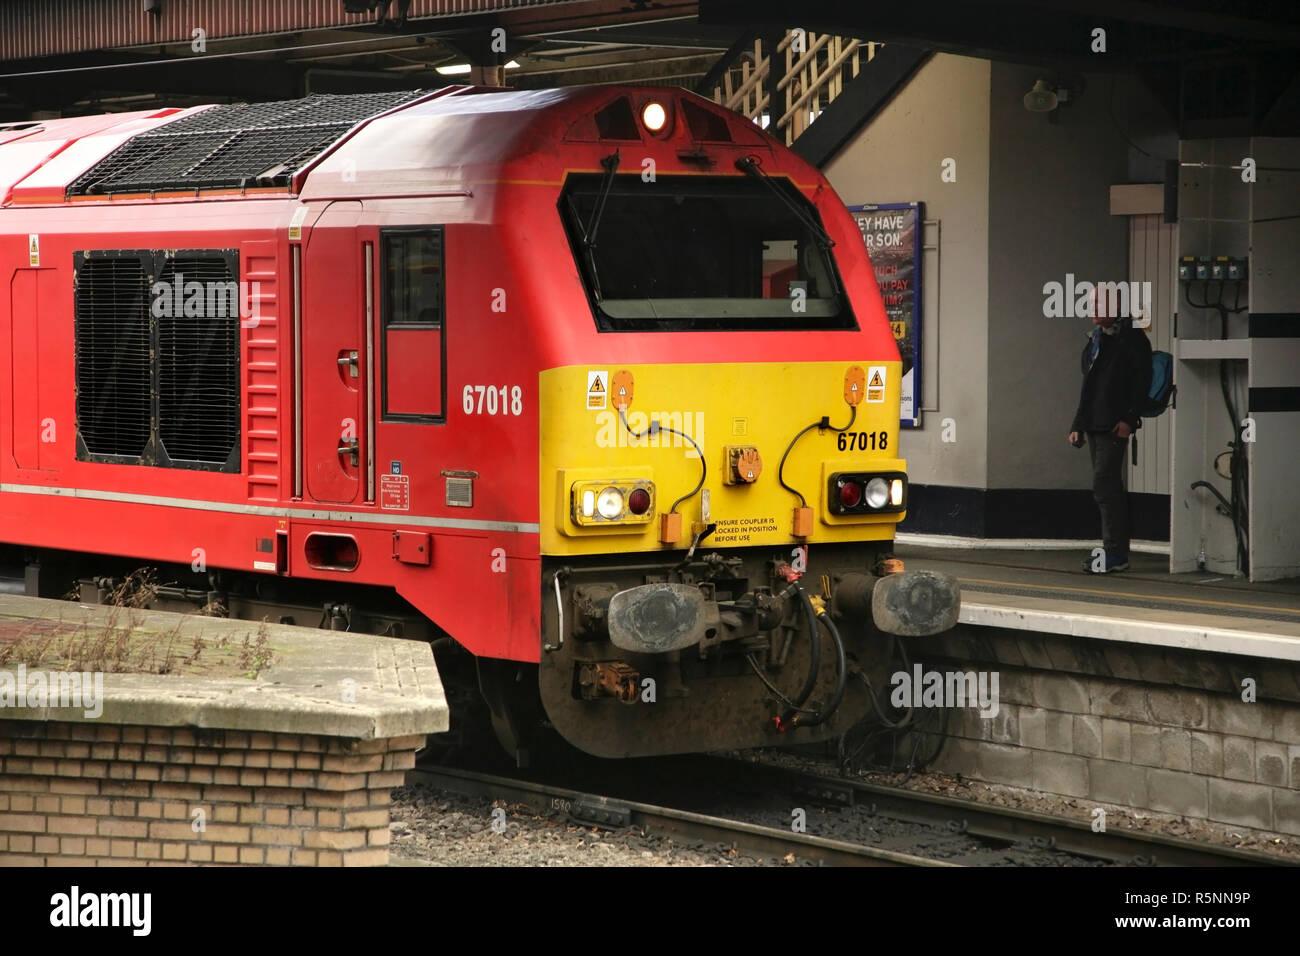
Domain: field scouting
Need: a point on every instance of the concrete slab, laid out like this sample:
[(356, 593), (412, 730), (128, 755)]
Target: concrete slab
[(1043, 591), (1163, 628), (320, 682)]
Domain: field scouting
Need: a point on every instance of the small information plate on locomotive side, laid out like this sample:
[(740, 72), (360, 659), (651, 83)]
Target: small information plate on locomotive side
[(395, 492)]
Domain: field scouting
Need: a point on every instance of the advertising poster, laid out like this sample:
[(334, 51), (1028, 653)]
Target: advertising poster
[(892, 232)]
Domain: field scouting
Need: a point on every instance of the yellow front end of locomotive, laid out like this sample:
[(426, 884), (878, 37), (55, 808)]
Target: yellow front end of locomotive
[(623, 448)]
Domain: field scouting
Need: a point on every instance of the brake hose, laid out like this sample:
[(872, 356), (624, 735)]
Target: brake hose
[(796, 715), (841, 674), (814, 653)]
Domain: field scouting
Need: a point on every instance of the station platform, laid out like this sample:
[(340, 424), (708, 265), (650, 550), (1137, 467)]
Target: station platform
[(1045, 591)]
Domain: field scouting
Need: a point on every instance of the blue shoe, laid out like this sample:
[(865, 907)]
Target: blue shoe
[(1110, 565)]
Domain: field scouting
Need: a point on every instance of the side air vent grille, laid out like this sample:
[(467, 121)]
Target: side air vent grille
[(460, 492), (112, 354), (198, 361), (156, 339)]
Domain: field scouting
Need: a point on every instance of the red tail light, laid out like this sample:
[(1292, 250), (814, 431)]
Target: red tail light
[(864, 493), (638, 502), (850, 494)]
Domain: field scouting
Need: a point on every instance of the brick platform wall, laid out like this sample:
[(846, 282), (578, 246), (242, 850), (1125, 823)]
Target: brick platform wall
[(83, 794), (1153, 728)]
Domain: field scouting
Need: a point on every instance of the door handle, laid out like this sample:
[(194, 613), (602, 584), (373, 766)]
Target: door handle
[(350, 360), (351, 447)]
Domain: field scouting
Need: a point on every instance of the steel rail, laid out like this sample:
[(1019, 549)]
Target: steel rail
[(1131, 847), (594, 810)]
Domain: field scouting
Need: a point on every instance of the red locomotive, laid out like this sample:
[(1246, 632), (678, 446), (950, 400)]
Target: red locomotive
[(594, 384)]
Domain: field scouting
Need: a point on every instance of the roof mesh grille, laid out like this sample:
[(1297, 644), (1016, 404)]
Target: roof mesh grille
[(230, 147)]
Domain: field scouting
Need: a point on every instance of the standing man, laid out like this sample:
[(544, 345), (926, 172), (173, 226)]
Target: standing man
[(1116, 376)]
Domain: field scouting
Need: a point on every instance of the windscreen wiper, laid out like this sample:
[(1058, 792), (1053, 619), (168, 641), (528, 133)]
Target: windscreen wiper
[(610, 163), (749, 165)]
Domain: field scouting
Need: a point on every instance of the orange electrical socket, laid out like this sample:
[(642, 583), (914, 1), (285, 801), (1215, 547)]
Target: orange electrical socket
[(670, 527), (749, 465), (620, 390), (803, 522), (744, 465), (855, 385)]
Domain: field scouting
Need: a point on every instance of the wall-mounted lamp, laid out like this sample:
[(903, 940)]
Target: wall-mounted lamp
[(1042, 98)]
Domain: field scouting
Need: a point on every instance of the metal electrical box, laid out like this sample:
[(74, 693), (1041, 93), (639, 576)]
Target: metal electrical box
[(412, 547), (1237, 350)]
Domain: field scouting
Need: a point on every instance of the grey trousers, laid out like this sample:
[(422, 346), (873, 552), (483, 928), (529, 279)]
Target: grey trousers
[(1107, 451)]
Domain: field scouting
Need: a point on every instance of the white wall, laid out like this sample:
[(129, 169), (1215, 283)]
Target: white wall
[(1049, 214), (1031, 203), (941, 113), (1153, 257)]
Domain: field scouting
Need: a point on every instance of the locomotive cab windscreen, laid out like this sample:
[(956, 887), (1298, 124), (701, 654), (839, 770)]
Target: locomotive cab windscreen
[(681, 253)]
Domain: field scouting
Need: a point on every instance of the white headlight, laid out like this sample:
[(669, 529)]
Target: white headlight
[(588, 503), (896, 492), (654, 116), (609, 504), (877, 493)]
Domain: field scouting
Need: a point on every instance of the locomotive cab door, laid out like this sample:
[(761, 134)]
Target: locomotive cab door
[(335, 357)]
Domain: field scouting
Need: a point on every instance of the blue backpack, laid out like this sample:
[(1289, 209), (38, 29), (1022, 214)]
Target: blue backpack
[(1161, 392)]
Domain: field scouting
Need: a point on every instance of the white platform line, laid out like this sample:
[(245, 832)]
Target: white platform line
[(1019, 544), (1200, 637)]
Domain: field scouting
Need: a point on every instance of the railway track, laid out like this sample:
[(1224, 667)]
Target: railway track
[(1118, 846), (594, 810), (617, 801)]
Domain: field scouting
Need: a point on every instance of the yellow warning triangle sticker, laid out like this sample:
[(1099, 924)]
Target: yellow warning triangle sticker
[(596, 386), (876, 381)]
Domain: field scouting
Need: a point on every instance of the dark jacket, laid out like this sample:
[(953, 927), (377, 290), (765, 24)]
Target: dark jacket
[(1115, 386)]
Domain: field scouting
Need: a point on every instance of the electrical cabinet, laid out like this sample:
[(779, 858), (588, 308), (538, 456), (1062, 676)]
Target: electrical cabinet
[(1237, 352)]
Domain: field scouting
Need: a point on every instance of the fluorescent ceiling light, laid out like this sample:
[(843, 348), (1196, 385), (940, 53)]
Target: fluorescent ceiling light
[(460, 69)]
